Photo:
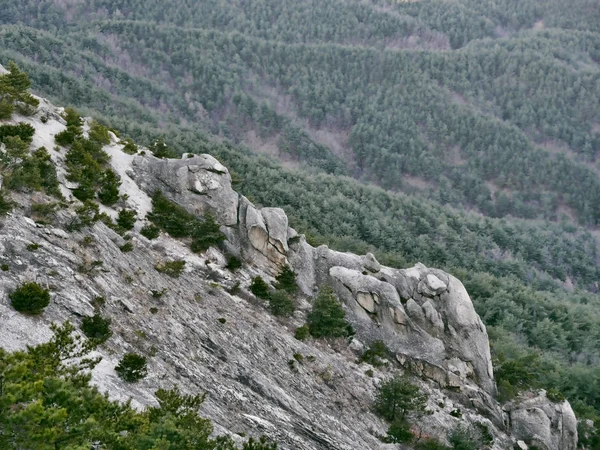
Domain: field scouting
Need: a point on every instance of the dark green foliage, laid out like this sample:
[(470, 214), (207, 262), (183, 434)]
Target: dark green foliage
[(429, 444), (99, 133), (465, 437), (259, 288), (286, 280), (87, 215), (302, 333), (16, 148), (173, 269), (205, 233), (129, 146), (233, 263), (126, 247), (222, 320), (74, 128), (150, 231), (22, 130), (85, 162), (96, 328), (126, 219), (280, 304), (501, 125), (399, 431), (60, 409), (109, 187), (327, 318), (43, 213), (32, 247), (132, 367), (160, 149), (30, 298), (34, 173), (169, 216), (397, 397), (13, 93), (375, 354), (6, 204)]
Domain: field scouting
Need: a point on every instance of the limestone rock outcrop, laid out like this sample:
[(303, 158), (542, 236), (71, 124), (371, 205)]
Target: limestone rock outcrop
[(424, 315), (541, 423)]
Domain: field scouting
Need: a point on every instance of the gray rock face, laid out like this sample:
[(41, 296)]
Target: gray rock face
[(424, 316), (200, 184), (543, 424)]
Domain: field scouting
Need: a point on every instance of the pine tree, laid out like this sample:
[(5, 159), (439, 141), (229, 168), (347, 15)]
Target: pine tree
[(286, 280), (327, 318)]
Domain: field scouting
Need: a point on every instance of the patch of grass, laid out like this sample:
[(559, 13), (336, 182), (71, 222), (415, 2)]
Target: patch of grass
[(173, 269), (126, 247), (32, 247), (302, 333)]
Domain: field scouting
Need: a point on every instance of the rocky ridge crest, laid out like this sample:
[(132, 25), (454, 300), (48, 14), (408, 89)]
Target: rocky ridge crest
[(424, 315)]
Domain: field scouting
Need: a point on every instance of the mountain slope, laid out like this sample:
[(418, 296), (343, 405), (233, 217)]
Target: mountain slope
[(201, 334)]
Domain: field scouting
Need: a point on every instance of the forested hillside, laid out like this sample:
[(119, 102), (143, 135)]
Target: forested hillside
[(480, 121)]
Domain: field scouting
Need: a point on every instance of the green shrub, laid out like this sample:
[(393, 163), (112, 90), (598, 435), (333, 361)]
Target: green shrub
[(327, 318), (109, 187), (398, 432), (126, 219), (96, 328), (169, 216), (22, 130), (376, 352), (150, 231), (465, 437), (281, 304), (205, 233), (126, 247), (6, 204), (555, 396), (302, 333), (173, 269), (30, 298), (160, 149), (16, 148), (73, 131), (397, 397), (233, 263), (6, 109), (132, 367), (259, 288), (129, 147), (99, 133), (13, 93), (429, 444), (286, 280), (32, 247), (43, 212)]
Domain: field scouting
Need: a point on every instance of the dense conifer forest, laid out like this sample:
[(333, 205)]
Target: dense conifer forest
[(464, 135)]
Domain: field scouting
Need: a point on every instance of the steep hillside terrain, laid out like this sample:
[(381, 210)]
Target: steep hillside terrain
[(201, 324), (479, 119)]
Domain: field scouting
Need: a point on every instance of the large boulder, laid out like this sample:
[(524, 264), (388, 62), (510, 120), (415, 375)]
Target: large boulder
[(542, 423), (200, 184)]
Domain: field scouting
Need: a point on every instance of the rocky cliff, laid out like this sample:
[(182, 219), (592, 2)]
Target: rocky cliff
[(205, 339)]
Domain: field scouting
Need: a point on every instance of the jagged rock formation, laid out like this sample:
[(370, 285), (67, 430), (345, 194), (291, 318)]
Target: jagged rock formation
[(542, 423), (424, 315)]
